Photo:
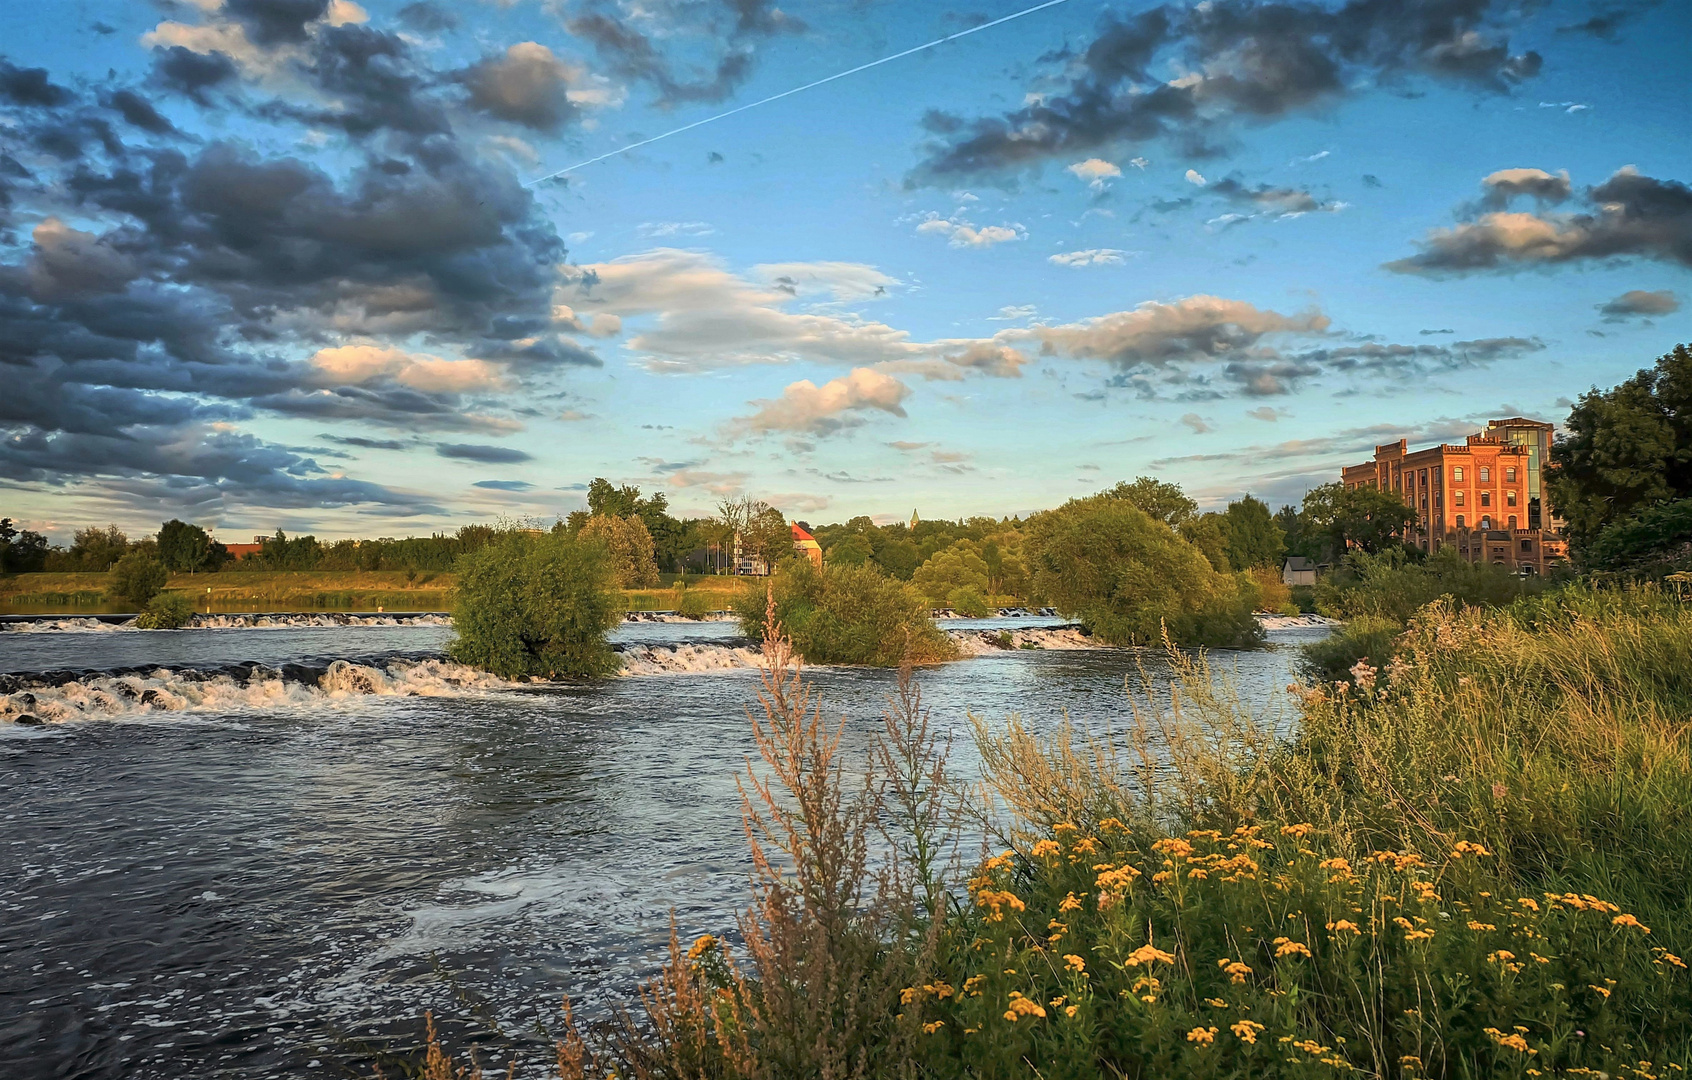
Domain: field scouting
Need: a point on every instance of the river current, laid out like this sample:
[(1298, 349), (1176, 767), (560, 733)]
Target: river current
[(265, 852)]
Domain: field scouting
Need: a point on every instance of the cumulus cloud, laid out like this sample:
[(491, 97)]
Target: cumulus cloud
[(1237, 64), (1195, 177), (962, 233), (728, 32), (835, 406), (527, 85), (1630, 215), (1639, 303), (1089, 257), (1198, 327), (1506, 184), (1094, 172), (353, 365)]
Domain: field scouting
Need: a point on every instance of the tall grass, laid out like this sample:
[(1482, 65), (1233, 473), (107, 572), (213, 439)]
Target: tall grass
[(1474, 861)]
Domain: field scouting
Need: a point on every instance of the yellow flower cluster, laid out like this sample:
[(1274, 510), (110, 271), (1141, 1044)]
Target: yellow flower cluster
[(1045, 848), (1147, 954), (1399, 861), (1465, 847), (996, 901), (1234, 969), (1343, 926), (1201, 1035), (1173, 848), (1629, 920), (1289, 947), (1298, 832), (1074, 963), (1021, 1006), (1069, 903), (1246, 1030), (1512, 1040), (702, 944)]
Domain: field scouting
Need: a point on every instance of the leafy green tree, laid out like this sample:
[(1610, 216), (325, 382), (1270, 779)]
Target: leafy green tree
[(851, 550), (184, 548), (1300, 539), (136, 579), (967, 600), (1164, 502), (1625, 449), (21, 552), (1007, 575), (1657, 538), (899, 558), (536, 607), (97, 549), (959, 566), (1127, 576), (605, 499), (1253, 538), (845, 615), (628, 546), (767, 536), (1367, 518), (1207, 533)]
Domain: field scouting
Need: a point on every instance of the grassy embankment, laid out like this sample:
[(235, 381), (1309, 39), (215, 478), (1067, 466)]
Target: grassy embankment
[(316, 590), (1473, 862)]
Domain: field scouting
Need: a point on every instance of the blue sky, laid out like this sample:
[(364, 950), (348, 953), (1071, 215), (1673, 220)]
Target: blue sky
[(273, 262)]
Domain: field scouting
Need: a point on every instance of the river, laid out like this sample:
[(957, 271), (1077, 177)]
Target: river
[(248, 875)]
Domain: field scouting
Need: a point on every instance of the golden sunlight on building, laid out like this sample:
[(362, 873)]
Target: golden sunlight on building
[(1486, 497), (806, 545)]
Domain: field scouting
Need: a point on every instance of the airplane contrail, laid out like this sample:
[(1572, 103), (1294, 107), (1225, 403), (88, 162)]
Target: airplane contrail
[(797, 90)]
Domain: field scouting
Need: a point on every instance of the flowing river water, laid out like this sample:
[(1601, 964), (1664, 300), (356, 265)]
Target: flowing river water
[(264, 852)]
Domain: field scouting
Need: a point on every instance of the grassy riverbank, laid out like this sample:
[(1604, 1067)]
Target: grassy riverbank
[(320, 590), (1476, 861)]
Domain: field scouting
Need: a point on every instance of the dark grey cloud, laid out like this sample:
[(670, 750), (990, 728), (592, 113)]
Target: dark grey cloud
[(1371, 180), (191, 74), (427, 17), (503, 485), (1266, 200), (731, 28), (1639, 303), (376, 81), (1259, 61), (30, 87), (275, 22), (138, 112), (488, 455), (1607, 19), (1627, 216), (364, 443)]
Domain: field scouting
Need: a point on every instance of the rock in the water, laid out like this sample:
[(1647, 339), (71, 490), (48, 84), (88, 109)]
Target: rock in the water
[(28, 720)]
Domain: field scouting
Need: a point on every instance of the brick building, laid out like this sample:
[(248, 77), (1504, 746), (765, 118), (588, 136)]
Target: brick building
[(1485, 497)]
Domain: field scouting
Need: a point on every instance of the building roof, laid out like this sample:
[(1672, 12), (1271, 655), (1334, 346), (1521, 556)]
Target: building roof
[(800, 535), (1299, 562)]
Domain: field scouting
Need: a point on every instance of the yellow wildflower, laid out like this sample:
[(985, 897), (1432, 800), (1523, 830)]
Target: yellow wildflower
[(972, 982), (1147, 954), (996, 901), (1216, 1003), (1298, 831), (1475, 925), (1071, 1010), (933, 1026), (1069, 903), (1530, 904), (1502, 956), (1085, 846), (1202, 1036), (1600, 989), (1340, 926), (701, 945), (1112, 823), (1670, 957), (1419, 935), (1044, 848), (1246, 1030), (1236, 971), (909, 994), (1464, 847), (1021, 1006), (1512, 1040), (1173, 847), (939, 989), (1074, 963), (999, 862), (1629, 920), (1288, 947), (1064, 827)]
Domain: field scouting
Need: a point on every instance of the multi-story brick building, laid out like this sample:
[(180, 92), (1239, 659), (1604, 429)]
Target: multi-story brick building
[(1486, 497)]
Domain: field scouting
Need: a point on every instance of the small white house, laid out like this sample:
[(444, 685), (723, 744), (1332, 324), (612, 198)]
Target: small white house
[(1298, 570)]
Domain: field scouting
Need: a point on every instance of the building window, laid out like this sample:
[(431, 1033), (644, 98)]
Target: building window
[(1527, 545), (1509, 498), (1486, 498), (1458, 496), (1510, 475), (1486, 523), (1424, 478), (1486, 474), (1512, 521), (1459, 521), (1457, 473)]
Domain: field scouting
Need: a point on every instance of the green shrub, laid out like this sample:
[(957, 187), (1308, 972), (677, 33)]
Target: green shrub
[(1367, 637), (136, 579), (536, 606), (1130, 579), (845, 614), (694, 603), (968, 601), (167, 611), (1392, 585)]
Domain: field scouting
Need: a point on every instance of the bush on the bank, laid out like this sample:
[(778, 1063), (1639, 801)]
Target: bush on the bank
[(1655, 541), (167, 611), (1130, 578), (628, 547), (845, 615), (1392, 585), (1367, 638), (136, 579), (536, 606), (960, 566), (1272, 592), (968, 601)]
